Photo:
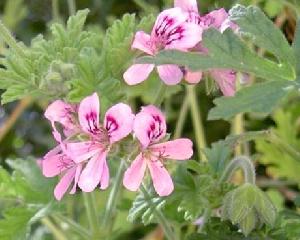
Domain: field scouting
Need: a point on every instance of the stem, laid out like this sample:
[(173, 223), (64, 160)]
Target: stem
[(113, 200), (55, 10), (159, 216), (197, 122), (91, 212), (160, 94), (238, 129), (74, 226), (245, 164), (72, 7), (182, 116), (10, 122), (9, 39), (206, 216), (58, 234)]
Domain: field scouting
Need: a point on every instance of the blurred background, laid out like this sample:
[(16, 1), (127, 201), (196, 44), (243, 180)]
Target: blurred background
[(24, 131)]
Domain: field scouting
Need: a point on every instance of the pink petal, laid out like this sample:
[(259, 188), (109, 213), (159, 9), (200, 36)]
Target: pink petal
[(76, 178), (215, 18), (133, 176), (88, 113), (64, 184), (149, 125), (186, 5), (179, 149), (55, 162), (170, 74), (91, 174), (186, 36), (118, 121), (226, 80), (229, 24), (81, 151), (104, 181), (162, 180), (193, 77), (142, 41), (137, 73), (166, 23), (61, 112)]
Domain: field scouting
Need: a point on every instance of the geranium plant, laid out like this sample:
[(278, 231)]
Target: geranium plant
[(117, 126)]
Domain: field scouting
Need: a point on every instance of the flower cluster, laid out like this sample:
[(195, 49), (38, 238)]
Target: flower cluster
[(181, 28), (84, 144)]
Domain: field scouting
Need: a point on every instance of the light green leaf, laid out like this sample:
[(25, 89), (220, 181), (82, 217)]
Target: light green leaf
[(280, 164), (261, 98)]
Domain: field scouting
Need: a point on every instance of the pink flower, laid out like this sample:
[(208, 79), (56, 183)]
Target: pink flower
[(171, 31), (149, 128), (56, 162), (63, 113), (217, 19), (117, 124)]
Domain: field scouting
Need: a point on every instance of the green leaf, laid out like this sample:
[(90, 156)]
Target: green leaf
[(225, 50), (280, 164), (260, 98), (142, 208), (296, 48), (14, 225), (218, 155), (254, 24)]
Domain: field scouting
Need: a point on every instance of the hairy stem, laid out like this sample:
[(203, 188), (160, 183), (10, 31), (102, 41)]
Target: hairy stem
[(169, 233), (75, 227), (197, 122), (182, 116), (72, 7), (9, 40), (91, 210), (206, 216), (10, 122), (160, 94), (245, 164), (57, 233), (55, 10), (113, 200)]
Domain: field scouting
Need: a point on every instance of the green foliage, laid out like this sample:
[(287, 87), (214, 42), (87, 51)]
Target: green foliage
[(28, 197), (196, 192), (254, 24), (143, 208), (278, 162), (260, 98), (225, 50), (248, 207), (296, 48)]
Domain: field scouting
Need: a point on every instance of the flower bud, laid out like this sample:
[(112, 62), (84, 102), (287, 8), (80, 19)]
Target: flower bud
[(248, 206)]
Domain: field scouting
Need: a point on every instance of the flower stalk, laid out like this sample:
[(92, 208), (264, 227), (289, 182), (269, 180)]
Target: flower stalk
[(113, 200), (197, 122), (245, 164), (91, 210)]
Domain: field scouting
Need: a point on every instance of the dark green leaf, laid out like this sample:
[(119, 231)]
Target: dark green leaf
[(254, 24), (260, 98), (225, 50)]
